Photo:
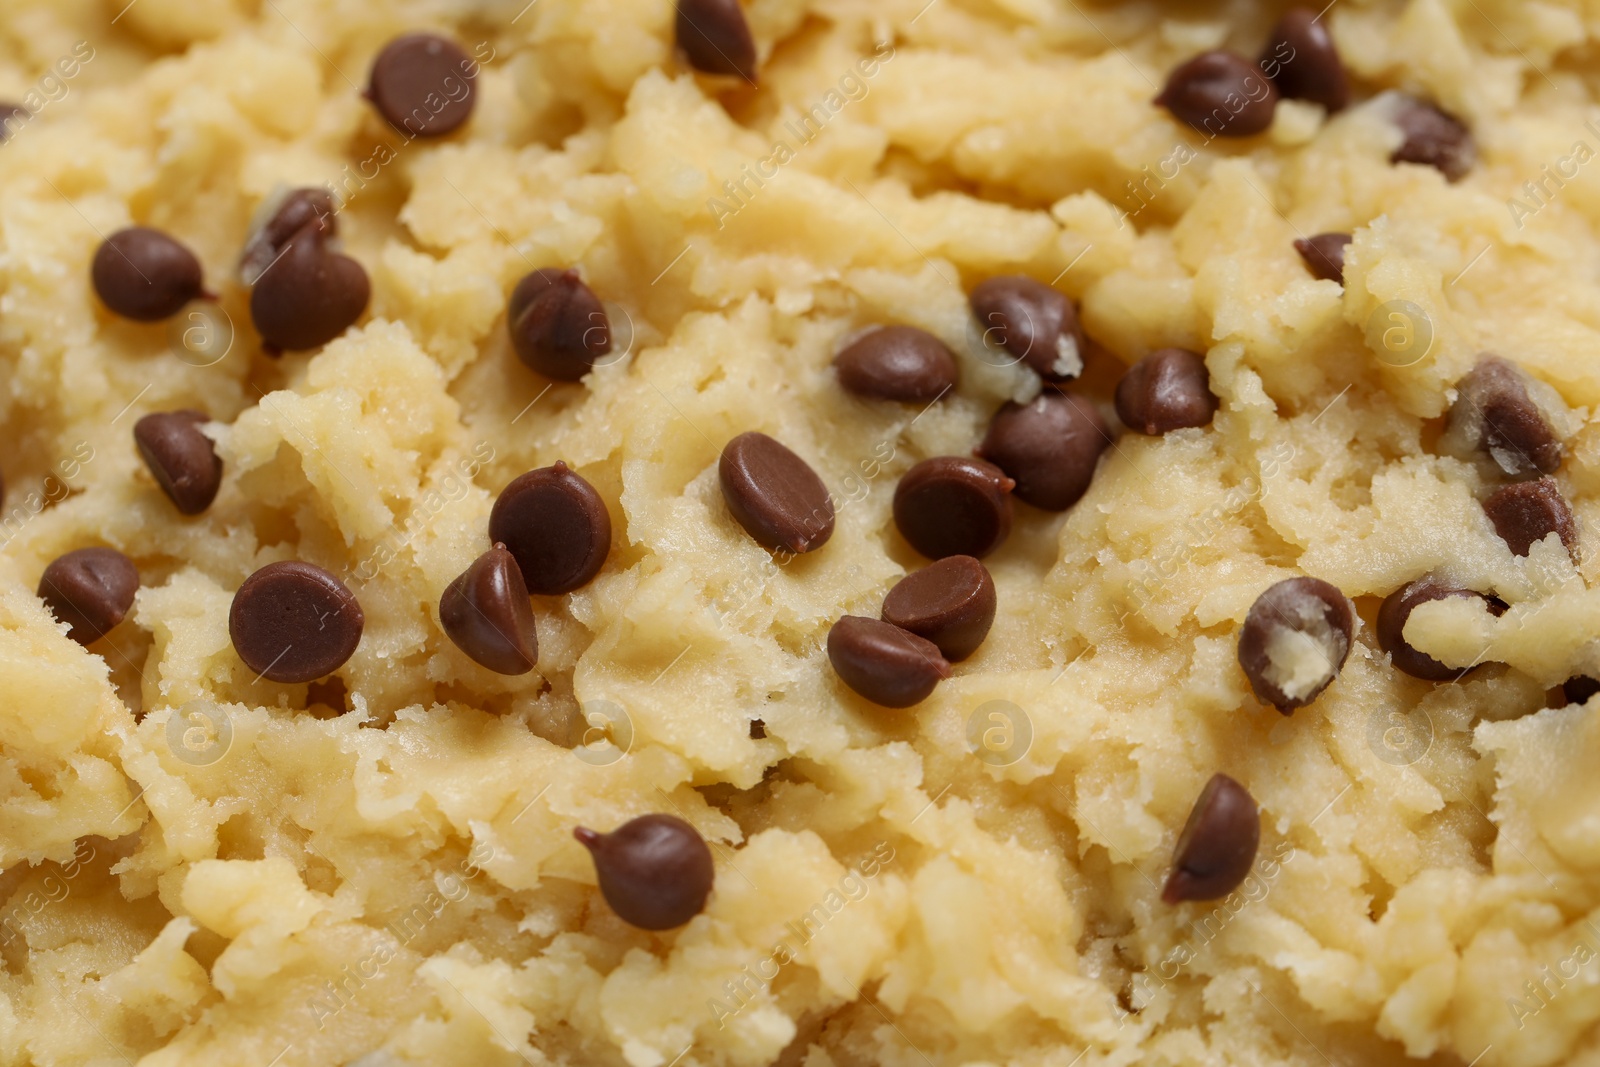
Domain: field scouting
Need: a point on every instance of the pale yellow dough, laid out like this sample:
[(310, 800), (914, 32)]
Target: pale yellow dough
[(398, 884)]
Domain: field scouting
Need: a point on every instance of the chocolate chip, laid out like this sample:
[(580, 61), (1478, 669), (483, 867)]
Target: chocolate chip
[(184, 461), (1579, 688), (292, 621), (1049, 446), (144, 275), (1221, 95), (655, 871), (423, 84), (954, 506), (90, 590), (1324, 255), (298, 209), (1397, 608), (1218, 845), (1167, 390), (758, 730), (715, 37), (1303, 62), (897, 363), (1496, 412), (556, 527), (1434, 138), (1033, 322), (311, 294), (882, 662), (558, 326), (950, 603), (1526, 512), (774, 494), (1294, 641), (486, 613)]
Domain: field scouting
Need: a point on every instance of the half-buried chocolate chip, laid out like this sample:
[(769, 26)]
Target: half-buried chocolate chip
[(1220, 94), (1048, 446), (1294, 641), (1579, 688), (1525, 513), (1032, 323), (90, 590), (1218, 845), (882, 662), (486, 613), (1324, 255), (292, 621), (897, 363), (1396, 610), (182, 459), (715, 37), (145, 275), (423, 84), (951, 603), (555, 525), (558, 325), (655, 871), (1167, 390), (1434, 138), (1303, 62), (310, 295), (1502, 412), (954, 506), (298, 209), (774, 494)]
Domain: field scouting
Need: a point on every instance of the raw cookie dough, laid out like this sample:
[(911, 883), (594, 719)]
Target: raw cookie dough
[(203, 867)]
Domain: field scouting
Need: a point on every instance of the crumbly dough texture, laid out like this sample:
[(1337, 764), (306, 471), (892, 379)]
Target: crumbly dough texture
[(398, 883)]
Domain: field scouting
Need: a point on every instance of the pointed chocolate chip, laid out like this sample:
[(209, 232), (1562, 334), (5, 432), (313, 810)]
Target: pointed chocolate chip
[(145, 275), (1396, 610), (1579, 688), (1167, 390), (1527, 512), (292, 621), (1220, 94), (1434, 138), (715, 37), (558, 326), (954, 506), (1495, 413), (774, 494), (298, 209), (950, 603), (1218, 845), (1031, 322), (1324, 255), (423, 84), (184, 461), (1303, 62), (1049, 446), (897, 363), (556, 527), (655, 871), (90, 590), (310, 295), (1294, 641), (486, 613), (885, 664)]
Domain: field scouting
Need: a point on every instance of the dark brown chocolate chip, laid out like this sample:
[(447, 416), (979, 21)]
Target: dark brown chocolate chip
[(423, 84), (556, 527), (311, 295), (1033, 323), (145, 275), (715, 37), (1167, 390), (558, 326), (1220, 94), (300, 208), (1495, 413), (184, 461), (655, 871), (897, 363), (1049, 446), (1434, 138), (1324, 255), (758, 730), (882, 662), (1579, 688), (486, 613), (950, 603), (90, 590), (954, 506), (1397, 608), (1218, 845), (292, 621), (774, 494), (1303, 62), (1294, 641), (1527, 512)]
